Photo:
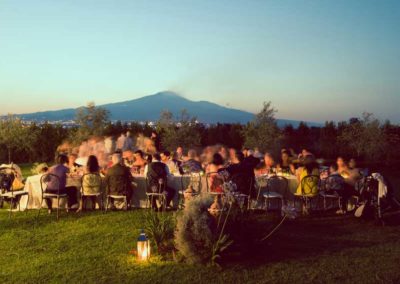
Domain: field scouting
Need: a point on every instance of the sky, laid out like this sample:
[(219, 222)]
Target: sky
[(314, 60)]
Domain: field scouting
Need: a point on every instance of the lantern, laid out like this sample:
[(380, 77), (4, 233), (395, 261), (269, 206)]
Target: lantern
[(143, 247)]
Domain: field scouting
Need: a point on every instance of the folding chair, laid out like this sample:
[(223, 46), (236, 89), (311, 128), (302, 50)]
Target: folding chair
[(277, 187), (91, 187), (50, 186)]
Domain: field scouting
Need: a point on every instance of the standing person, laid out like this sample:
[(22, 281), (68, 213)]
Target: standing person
[(53, 186), (118, 179), (128, 142), (121, 142), (109, 145), (156, 140)]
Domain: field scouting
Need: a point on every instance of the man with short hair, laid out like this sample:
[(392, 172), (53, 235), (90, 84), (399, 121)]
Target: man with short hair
[(171, 164), (192, 165), (118, 179)]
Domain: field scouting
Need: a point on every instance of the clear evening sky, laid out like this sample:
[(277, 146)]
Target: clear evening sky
[(315, 60)]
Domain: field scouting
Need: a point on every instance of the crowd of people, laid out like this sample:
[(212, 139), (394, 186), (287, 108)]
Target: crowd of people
[(125, 161)]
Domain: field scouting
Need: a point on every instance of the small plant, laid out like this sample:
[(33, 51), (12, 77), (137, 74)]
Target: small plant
[(160, 228)]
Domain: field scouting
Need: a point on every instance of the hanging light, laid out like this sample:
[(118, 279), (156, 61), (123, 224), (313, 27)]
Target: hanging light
[(143, 247)]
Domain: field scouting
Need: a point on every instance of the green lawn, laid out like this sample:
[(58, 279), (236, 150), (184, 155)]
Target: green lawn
[(94, 247)]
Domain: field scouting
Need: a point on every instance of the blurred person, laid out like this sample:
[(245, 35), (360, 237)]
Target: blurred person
[(267, 166), (128, 142), (309, 168), (170, 162), (192, 165), (215, 180), (61, 170), (139, 161), (179, 153), (92, 167), (121, 142), (157, 174), (286, 164), (118, 179)]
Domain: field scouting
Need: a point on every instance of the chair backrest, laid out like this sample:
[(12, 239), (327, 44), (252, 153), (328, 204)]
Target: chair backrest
[(6, 181), (195, 181), (310, 185), (50, 182), (215, 181), (278, 184), (334, 183), (117, 185), (91, 183), (244, 182)]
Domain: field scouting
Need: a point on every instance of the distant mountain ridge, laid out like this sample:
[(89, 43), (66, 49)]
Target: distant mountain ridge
[(148, 108)]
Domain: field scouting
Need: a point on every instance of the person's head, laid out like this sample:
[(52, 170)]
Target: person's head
[(352, 163), (269, 160), (223, 152), (62, 159), (153, 134), (179, 151), (285, 156), (245, 152), (128, 134), (72, 158), (165, 156), (341, 162), (156, 157), (116, 159), (250, 153), (239, 157), (92, 165), (192, 154), (309, 163), (333, 168), (232, 153), (305, 152), (138, 155), (218, 160)]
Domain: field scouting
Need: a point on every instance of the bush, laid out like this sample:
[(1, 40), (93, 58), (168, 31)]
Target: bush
[(196, 231)]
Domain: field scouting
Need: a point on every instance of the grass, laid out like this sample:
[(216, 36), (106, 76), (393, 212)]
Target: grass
[(94, 248)]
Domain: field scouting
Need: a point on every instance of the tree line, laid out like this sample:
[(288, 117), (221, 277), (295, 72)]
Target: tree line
[(365, 138)]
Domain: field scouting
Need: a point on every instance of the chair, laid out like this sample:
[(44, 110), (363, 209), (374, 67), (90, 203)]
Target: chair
[(156, 190), (8, 194), (309, 186), (195, 183), (91, 187), (50, 186), (118, 191), (245, 187), (277, 187), (211, 186), (261, 182), (332, 183)]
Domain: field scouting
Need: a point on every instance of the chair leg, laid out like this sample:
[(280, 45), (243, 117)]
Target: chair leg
[(58, 208)]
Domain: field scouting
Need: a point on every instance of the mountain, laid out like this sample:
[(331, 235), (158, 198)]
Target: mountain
[(149, 108)]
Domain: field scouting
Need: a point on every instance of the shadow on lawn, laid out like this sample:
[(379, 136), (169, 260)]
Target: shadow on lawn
[(306, 237)]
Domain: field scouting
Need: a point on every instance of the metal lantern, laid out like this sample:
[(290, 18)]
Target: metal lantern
[(143, 247)]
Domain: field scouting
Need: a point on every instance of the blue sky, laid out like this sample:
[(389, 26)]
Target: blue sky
[(315, 60)]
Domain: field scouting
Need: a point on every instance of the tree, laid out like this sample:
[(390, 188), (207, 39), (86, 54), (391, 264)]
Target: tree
[(91, 120), (365, 137), (263, 131), (178, 132), (15, 136)]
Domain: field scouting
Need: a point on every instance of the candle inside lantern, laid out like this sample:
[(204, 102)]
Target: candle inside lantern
[(143, 247)]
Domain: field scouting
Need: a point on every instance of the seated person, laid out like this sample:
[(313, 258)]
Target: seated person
[(351, 176), (242, 173), (335, 183), (215, 180), (118, 179), (286, 165), (91, 183), (266, 167), (157, 177), (192, 165), (309, 168), (59, 187), (172, 165), (140, 162)]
